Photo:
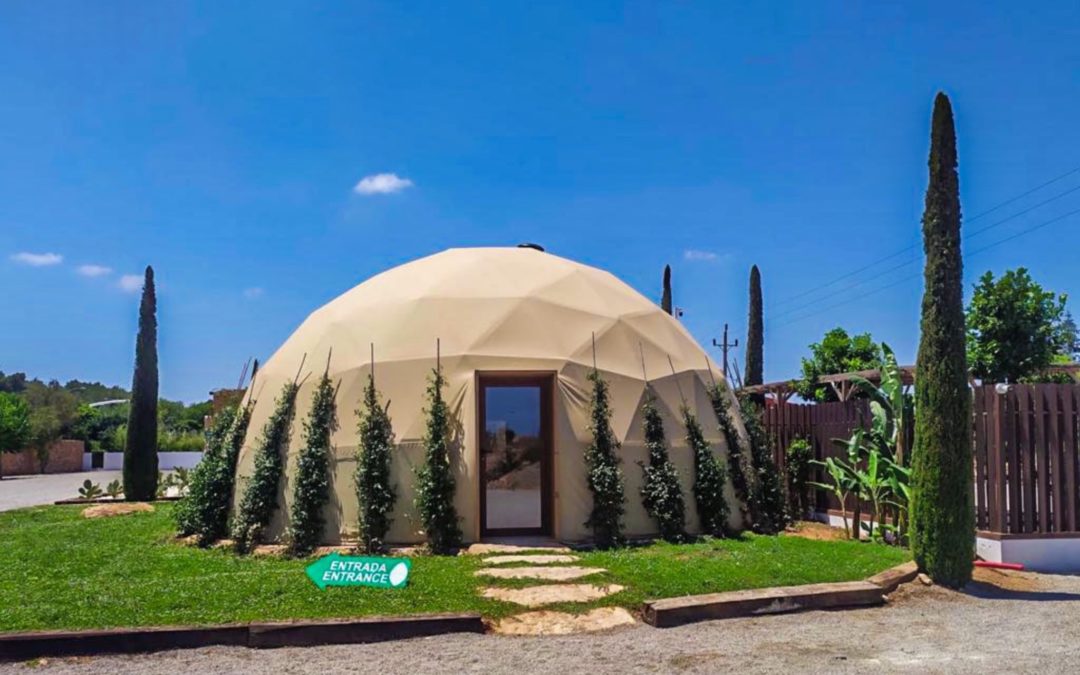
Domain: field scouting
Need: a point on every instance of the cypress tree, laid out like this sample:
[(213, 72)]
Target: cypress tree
[(942, 513), (755, 334), (374, 492), (260, 498), (709, 479), (665, 299), (603, 475), (661, 493), (435, 479), (140, 448), (311, 489)]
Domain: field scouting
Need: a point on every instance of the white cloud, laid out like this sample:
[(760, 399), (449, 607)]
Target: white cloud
[(130, 283), (253, 292), (94, 270), (381, 184), (695, 254), (38, 259)]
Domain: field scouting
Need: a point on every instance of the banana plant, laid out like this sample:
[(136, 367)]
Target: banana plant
[(891, 408)]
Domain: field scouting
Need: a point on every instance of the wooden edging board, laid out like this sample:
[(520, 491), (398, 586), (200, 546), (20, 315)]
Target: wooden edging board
[(23, 646)]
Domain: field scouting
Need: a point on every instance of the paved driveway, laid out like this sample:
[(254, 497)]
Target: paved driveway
[(17, 492)]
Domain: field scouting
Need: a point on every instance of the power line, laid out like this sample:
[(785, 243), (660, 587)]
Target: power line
[(873, 264), (905, 279), (967, 237)]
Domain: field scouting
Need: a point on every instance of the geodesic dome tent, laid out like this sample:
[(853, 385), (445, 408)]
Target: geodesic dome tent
[(516, 330)]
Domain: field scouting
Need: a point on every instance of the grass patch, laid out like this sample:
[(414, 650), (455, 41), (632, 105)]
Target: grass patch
[(61, 571)]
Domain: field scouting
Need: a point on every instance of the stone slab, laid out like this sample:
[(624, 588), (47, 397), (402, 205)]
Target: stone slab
[(534, 559), (485, 548), (537, 596), (544, 573), (545, 622), (689, 609)]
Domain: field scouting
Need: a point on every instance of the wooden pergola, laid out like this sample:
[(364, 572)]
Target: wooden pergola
[(844, 383)]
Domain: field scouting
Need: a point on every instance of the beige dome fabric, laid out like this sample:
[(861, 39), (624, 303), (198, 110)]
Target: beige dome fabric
[(492, 309)]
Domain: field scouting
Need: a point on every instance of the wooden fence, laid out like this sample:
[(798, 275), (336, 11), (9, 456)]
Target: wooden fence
[(1026, 445)]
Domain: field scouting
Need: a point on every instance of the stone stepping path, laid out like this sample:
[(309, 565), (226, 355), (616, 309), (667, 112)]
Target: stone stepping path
[(537, 559), (543, 573), (548, 594), (486, 548), (545, 622)]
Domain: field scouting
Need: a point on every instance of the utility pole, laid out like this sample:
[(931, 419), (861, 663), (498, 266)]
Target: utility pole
[(724, 347)]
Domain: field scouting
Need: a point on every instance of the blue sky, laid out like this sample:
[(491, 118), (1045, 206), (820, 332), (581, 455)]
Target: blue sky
[(223, 143)]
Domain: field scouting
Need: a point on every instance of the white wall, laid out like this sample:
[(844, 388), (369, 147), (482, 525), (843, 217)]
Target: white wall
[(114, 461), (1052, 556)]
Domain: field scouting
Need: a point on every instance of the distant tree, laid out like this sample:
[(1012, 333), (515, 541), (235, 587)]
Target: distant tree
[(374, 491), (1015, 328), (311, 488), (661, 492), (755, 335), (942, 509), (140, 451), (665, 298), (836, 353), (14, 424), (13, 383), (435, 480), (603, 475)]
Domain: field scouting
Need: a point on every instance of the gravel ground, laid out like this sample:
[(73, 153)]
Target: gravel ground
[(17, 492), (1024, 624)]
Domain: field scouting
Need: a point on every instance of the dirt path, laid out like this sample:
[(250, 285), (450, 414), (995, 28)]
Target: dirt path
[(1034, 627)]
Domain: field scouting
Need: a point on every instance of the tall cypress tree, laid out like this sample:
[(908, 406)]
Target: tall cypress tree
[(435, 480), (661, 493), (311, 488), (665, 299), (755, 333), (140, 449), (942, 512)]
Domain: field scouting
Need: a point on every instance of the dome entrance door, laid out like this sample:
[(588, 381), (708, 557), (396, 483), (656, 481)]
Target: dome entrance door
[(515, 424)]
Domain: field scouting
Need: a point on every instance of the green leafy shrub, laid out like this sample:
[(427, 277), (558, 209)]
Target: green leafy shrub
[(189, 512), (435, 478), (709, 479), (603, 474), (740, 466), (661, 493), (311, 489), (800, 455), (260, 498), (772, 514), (374, 491)]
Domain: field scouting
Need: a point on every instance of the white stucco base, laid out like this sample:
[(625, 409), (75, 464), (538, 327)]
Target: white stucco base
[(1057, 555), (114, 461)]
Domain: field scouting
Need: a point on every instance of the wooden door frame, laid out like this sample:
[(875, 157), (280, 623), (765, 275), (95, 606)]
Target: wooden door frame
[(545, 379)]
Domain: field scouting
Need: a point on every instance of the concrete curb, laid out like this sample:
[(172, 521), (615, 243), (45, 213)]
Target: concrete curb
[(30, 645)]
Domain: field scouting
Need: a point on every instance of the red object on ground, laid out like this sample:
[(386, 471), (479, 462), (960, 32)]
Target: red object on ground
[(999, 565)]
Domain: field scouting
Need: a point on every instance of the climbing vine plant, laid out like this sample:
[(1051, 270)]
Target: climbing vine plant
[(311, 489), (740, 466), (709, 479), (259, 501), (604, 476), (189, 511), (374, 491), (661, 493), (435, 478), (771, 502)]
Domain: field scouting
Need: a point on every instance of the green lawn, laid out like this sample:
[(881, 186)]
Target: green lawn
[(58, 570)]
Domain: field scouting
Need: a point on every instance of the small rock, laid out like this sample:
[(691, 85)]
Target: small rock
[(925, 580)]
